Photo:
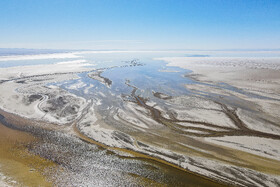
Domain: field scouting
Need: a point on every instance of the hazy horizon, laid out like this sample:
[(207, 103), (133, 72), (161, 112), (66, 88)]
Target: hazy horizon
[(140, 25)]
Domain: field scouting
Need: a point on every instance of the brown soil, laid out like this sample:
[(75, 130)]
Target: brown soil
[(17, 163)]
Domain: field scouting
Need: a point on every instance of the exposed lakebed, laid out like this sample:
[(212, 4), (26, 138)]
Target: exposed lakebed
[(114, 114)]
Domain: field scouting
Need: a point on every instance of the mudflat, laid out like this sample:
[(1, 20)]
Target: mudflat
[(17, 165), (211, 120)]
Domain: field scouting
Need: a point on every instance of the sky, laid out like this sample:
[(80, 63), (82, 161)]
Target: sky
[(140, 24)]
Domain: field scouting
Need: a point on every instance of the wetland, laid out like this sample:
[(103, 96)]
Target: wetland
[(146, 119)]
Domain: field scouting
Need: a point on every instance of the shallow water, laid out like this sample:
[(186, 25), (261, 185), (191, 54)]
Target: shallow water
[(89, 163), (154, 76)]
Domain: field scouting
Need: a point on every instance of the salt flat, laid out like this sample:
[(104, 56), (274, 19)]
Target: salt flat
[(213, 116)]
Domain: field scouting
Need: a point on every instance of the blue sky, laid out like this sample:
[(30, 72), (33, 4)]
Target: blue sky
[(140, 24)]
